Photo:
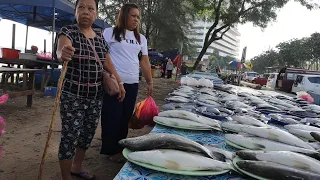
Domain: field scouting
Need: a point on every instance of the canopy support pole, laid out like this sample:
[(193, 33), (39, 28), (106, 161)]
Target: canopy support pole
[(53, 30), (26, 44), (13, 36)]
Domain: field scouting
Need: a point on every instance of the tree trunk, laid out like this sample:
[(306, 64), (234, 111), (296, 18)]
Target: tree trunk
[(203, 51)]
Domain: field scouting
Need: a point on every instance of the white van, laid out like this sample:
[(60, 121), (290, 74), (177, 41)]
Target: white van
[(306, 83), (272, 80)]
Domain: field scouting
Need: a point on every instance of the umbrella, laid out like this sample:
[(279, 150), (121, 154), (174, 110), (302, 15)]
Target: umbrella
[(154, 53), (236, 64)]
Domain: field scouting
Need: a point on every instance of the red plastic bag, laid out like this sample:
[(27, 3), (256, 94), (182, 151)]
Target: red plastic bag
[(144, 113), (134, 122), (149, 110)]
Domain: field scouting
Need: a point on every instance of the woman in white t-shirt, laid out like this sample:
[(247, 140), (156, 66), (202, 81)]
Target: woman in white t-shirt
[(125, 43)]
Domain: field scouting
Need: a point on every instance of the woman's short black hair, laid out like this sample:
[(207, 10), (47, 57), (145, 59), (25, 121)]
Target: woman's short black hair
[(96, 1)]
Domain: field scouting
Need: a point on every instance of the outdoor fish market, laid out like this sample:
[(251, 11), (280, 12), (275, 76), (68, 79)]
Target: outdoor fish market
[(209, 130)]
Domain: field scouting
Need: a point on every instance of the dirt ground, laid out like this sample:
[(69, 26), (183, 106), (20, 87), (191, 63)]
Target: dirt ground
[(26, 134)]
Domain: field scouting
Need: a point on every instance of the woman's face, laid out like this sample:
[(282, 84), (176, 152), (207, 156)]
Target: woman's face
[(133, 19), (86, 12)]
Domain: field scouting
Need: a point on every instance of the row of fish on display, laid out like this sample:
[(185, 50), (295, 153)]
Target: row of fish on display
[(290, 151), (181, 154)]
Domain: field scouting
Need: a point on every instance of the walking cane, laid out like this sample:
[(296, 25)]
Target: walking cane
[(55, 108)]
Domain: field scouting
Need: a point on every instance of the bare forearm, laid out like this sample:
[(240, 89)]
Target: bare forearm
[(146, 70), (108, 66)]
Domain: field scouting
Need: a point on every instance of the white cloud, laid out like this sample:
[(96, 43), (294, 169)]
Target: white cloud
[(294, 21)]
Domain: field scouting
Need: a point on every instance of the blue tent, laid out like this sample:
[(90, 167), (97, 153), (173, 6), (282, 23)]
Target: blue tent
[(41, 13)]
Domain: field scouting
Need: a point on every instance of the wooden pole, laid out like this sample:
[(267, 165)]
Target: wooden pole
[(55, 108)]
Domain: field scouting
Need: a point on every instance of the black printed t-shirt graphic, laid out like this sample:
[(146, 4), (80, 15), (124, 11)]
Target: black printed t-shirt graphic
[(84, 73)]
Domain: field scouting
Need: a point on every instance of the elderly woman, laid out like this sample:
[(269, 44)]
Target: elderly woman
[(125, 43), (87, 54)]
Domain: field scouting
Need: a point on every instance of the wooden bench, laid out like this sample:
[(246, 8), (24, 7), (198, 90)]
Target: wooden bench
[(29, 75)]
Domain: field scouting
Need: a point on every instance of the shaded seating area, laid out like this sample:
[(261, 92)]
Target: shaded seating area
[(48, 15)]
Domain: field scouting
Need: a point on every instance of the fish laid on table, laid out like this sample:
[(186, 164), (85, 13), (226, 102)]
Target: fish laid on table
[(302, 127), (276, 134), (229, 97), (209, 102), (313, 121), (176, 122), (257, 143), (286, 158), (306, 134), (178, 160), (179, 94), (233, 126), (208, 97), (283, 119), (275, 171), (178, 99), (207, 91), (236, 104), (165, 141), (189, 116), (248, 121), (303, 114)]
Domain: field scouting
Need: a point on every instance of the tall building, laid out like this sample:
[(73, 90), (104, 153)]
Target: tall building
[(228, 46)]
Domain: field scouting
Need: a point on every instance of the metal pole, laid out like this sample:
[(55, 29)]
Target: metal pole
[(26, 44), (53, 30), (13, 36)]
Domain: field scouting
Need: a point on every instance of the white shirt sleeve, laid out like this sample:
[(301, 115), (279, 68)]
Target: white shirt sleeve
[(107, 35), (144, 45)]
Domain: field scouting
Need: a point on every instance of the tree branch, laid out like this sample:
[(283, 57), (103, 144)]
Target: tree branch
[(216, 21), (222, 34)]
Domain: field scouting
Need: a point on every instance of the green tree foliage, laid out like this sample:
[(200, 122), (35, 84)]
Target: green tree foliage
[(225, 14), (165, 23), (298, 53), (219, 61)]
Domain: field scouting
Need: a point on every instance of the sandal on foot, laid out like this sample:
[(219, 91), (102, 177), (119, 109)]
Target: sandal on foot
[(84, 175)]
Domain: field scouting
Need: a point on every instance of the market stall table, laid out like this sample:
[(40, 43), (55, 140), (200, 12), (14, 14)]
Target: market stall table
[(27, 91), (33, 63), (132, 171)]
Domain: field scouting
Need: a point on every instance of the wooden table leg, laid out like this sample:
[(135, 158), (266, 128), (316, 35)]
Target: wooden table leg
[(44, 78), (25, 78), (30, 87)]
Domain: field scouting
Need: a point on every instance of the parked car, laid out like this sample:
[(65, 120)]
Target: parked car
[(262, 79), (249, 76), (306, 83)]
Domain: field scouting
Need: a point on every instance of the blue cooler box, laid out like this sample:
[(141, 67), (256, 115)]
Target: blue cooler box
[(50, 91)]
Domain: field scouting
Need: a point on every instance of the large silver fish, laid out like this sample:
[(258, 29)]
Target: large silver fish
[(178, 160), (183, 123), (189, 116), (257, 143), (286, 158), (275, 171), (302, 133), (302, 127), (166, 141), (276, 134), (247, 120), (178, 99)]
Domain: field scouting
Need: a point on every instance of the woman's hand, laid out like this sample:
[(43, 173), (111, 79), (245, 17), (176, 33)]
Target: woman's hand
[(67, 52), (150, 88), (122, 92)]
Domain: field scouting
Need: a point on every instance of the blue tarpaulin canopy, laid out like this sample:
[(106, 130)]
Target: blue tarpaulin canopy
[(40, 13)]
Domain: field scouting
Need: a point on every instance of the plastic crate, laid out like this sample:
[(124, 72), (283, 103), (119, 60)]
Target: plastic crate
[(50, 91), (10, 53)]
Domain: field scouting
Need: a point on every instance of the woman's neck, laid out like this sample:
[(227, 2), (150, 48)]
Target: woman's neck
[(87, 31)]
